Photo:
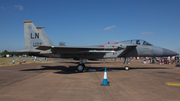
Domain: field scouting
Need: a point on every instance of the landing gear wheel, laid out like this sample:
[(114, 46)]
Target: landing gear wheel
[(80, 67), (83, 65), (126, 68)]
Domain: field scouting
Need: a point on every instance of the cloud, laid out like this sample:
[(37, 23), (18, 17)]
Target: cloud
[(113, 26), (19, 7), (107, 28), (147, 33), (2, 7)]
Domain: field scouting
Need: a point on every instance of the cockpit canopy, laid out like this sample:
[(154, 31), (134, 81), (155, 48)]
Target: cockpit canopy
[(137, 41)]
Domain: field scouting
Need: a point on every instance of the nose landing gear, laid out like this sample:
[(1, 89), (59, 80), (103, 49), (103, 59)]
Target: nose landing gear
[(127, 62), (126, 68)]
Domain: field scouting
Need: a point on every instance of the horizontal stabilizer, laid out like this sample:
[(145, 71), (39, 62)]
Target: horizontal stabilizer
[(25, 52)]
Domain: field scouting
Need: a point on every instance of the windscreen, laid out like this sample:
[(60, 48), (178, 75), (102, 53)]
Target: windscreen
[(139, 42)]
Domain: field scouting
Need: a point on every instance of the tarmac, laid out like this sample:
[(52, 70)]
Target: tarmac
[(59, 82)]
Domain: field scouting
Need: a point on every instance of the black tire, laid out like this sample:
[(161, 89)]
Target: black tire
[(80, 67), (83, 65)]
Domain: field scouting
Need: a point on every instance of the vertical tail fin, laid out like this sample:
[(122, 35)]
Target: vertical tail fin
[(34, 36)]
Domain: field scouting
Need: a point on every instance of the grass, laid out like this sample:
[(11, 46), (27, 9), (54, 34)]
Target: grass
[(9, 61)]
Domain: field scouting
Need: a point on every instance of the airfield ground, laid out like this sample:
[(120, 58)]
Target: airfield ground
[(59, 82)]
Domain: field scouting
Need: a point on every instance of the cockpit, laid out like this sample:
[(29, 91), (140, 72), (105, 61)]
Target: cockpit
[(137, 41)]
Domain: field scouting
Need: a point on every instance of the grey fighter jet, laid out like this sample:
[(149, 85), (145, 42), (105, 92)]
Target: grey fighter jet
[(38, 43)]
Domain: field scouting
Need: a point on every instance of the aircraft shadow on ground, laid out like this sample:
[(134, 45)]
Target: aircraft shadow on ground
[(89, 62), (72, 69)]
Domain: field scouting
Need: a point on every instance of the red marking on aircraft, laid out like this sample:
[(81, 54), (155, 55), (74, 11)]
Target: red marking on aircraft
[(113, 48)]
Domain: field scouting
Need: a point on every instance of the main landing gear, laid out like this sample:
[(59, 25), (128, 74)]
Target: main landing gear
[(81, 65)]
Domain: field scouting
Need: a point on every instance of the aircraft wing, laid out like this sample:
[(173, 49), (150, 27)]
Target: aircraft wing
[(91, 49)]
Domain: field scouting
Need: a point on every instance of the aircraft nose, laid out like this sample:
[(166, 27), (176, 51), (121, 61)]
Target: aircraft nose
[(167, 52)]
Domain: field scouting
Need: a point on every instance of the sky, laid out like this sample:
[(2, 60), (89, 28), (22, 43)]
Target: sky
[(92, 22)]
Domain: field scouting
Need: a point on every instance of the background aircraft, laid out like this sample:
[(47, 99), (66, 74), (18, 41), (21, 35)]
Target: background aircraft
[(38, 43)]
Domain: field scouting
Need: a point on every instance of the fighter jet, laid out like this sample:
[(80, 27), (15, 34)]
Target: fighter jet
[(38, 43)]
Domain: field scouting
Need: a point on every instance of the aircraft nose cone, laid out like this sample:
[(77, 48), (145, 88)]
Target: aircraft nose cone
[(167, 52)]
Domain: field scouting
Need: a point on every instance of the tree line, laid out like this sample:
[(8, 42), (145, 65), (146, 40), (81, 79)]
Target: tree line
[(12, 54)]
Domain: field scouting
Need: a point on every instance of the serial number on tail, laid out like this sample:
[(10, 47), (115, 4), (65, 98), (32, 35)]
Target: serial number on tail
[(36, 44)]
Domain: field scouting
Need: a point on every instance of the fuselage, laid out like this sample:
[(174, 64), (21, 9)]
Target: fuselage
[(122, 50)]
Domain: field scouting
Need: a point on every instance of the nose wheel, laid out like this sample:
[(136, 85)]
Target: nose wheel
[(126, 68), (127, 62)]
